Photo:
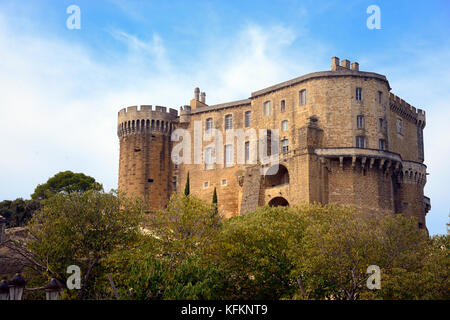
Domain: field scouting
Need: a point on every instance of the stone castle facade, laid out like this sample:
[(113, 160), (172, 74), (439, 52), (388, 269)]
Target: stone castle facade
[(344, 139)]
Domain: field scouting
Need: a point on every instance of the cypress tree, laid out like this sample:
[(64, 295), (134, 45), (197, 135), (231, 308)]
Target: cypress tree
[(187, 188), (214, 200)]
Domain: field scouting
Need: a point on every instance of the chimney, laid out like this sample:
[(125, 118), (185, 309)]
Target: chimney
[(355, 66), (334, 63), (345, 64), (196, 94), (203, 97)]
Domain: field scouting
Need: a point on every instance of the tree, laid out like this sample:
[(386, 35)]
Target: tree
[(214, 201), (187, 189), (82, 229), (65, 182), (18, 212), (168, 264), (252, 253), (340, 243), (186, 225)]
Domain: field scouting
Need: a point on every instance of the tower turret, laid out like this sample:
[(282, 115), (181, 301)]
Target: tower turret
[(145, 168)]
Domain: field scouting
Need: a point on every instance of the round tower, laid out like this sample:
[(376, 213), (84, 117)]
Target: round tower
[(145, 168)]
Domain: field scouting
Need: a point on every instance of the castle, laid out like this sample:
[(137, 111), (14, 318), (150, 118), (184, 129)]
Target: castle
[(343, 137)]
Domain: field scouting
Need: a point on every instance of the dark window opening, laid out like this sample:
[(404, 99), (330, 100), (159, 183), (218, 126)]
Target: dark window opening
[(150, 180)]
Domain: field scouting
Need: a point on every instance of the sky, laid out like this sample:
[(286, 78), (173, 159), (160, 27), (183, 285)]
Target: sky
[(61, 88)]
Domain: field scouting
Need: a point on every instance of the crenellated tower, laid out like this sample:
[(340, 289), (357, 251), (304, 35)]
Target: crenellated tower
[(145, 168)]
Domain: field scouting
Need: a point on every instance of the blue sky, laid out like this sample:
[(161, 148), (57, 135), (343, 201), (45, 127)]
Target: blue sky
[(61, 89)]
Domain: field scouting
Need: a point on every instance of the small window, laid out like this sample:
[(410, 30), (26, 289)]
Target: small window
[(228, 155), (283, 106), (247, 151), (405, 206), (380, 123), (206, 184), (224, 182), (150, 180), (284, 125), (248, 119), (360, 142), (360, 122), (358, 94), (380, 95), (228, 122), (267, 108), (382, 144), (175, 166), (209, 124), (303, 97), (399, 126), (284, 145)]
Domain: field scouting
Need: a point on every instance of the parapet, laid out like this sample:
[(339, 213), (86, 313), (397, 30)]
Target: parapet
[(406, 110), (143, 120), (147, 112)]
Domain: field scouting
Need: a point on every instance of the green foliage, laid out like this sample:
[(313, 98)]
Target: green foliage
[(153, 276), (187, 251), (187, 189), (82, 229), (167, 264), (340, 243), (18, 212), (252, 253), (65, 182)]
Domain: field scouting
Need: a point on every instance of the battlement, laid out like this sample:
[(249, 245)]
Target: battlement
[(146, 119), (406, 110), (138, 111)]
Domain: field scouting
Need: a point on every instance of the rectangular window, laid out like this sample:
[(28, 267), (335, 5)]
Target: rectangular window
[(382, 144), (284, 145), (228, 122), (248, 119), (267, 108), (380, 123), (282, 106), (380, 95), (224, 182), (399, 126), (405, 206), (208, 158), (206, 184), (360, 142), (358, 94), (228, 155), (209, 124), (247, 151), (269, 142), (303, 97), (360, 122), (284, 125)]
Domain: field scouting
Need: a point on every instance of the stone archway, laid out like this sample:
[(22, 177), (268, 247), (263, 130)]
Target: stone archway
[(278, 202)]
